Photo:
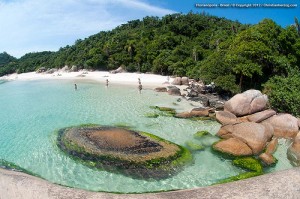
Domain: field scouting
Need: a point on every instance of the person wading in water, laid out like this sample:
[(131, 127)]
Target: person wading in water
[(140, 86)]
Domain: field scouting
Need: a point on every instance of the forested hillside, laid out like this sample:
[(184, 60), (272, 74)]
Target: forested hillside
[(233, 55), (172, 45), (6, 62)]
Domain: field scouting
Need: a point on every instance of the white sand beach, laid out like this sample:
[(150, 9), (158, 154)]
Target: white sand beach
[(149, 80)]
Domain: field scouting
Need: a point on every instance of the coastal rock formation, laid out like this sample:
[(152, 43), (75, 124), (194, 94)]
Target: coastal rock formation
[(233, 146), (200, 112), (118, 70), (185, 81), (177, 81), (173, 90), (74, 68), (225, 117), (267, 159), (249, 129), (65, 69), (261, 116), (293, 152), (272, 146), (252, 134), (160, 89), (246, 103), (183, 115), (196, 112), (285, 125), (132, 153)]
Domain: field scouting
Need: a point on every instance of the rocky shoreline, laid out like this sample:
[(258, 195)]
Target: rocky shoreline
[(249, 126)]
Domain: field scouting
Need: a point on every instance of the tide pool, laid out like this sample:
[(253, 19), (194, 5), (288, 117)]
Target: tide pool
[(31, 112)]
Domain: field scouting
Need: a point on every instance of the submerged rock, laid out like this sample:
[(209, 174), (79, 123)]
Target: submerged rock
[(160, 89), (267, 159), (293, 152), (272, 146), (132, 153), (194, 146)]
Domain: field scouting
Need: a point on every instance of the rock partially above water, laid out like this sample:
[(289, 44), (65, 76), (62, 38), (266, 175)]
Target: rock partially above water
[(293, 152), (160, 89), (285, 125), (173, 90), (121, 150), (252, 134), (233, 146), (246, 103)]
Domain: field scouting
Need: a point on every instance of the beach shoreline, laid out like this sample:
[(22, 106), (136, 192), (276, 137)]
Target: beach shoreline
[(147, 80)]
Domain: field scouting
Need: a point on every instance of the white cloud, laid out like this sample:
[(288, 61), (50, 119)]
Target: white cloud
[(37, 25)]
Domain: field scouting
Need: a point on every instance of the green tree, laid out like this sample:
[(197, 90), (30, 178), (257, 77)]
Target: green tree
[(283, 93)]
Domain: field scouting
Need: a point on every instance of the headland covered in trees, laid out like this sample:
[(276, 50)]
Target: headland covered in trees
[(234, 56)]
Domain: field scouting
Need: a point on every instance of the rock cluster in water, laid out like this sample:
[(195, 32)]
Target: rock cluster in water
[(121, 150), (249, 128), (196, 92)]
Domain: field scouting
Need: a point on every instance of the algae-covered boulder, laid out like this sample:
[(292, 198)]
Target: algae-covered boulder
[(194, 146), (115, 149), (248, 163)]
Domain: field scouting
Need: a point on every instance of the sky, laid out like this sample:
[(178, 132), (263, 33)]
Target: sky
[(46, 25)]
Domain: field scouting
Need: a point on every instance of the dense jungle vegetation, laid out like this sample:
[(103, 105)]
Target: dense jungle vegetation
[(234, 56)]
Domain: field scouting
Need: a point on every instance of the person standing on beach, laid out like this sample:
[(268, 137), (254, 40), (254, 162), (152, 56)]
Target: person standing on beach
[(75, 86), (106, 83)]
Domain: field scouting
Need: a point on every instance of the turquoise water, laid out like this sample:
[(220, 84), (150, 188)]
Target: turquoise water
[(31, 111)]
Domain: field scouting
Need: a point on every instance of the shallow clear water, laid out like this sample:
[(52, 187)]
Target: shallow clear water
[(31, 111)]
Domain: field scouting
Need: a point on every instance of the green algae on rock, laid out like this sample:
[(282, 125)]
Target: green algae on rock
[(194, 146), (200, 134), (115, 149), (166, 111), (152, 115), (248, 163), (241, 176), (12, 166)]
